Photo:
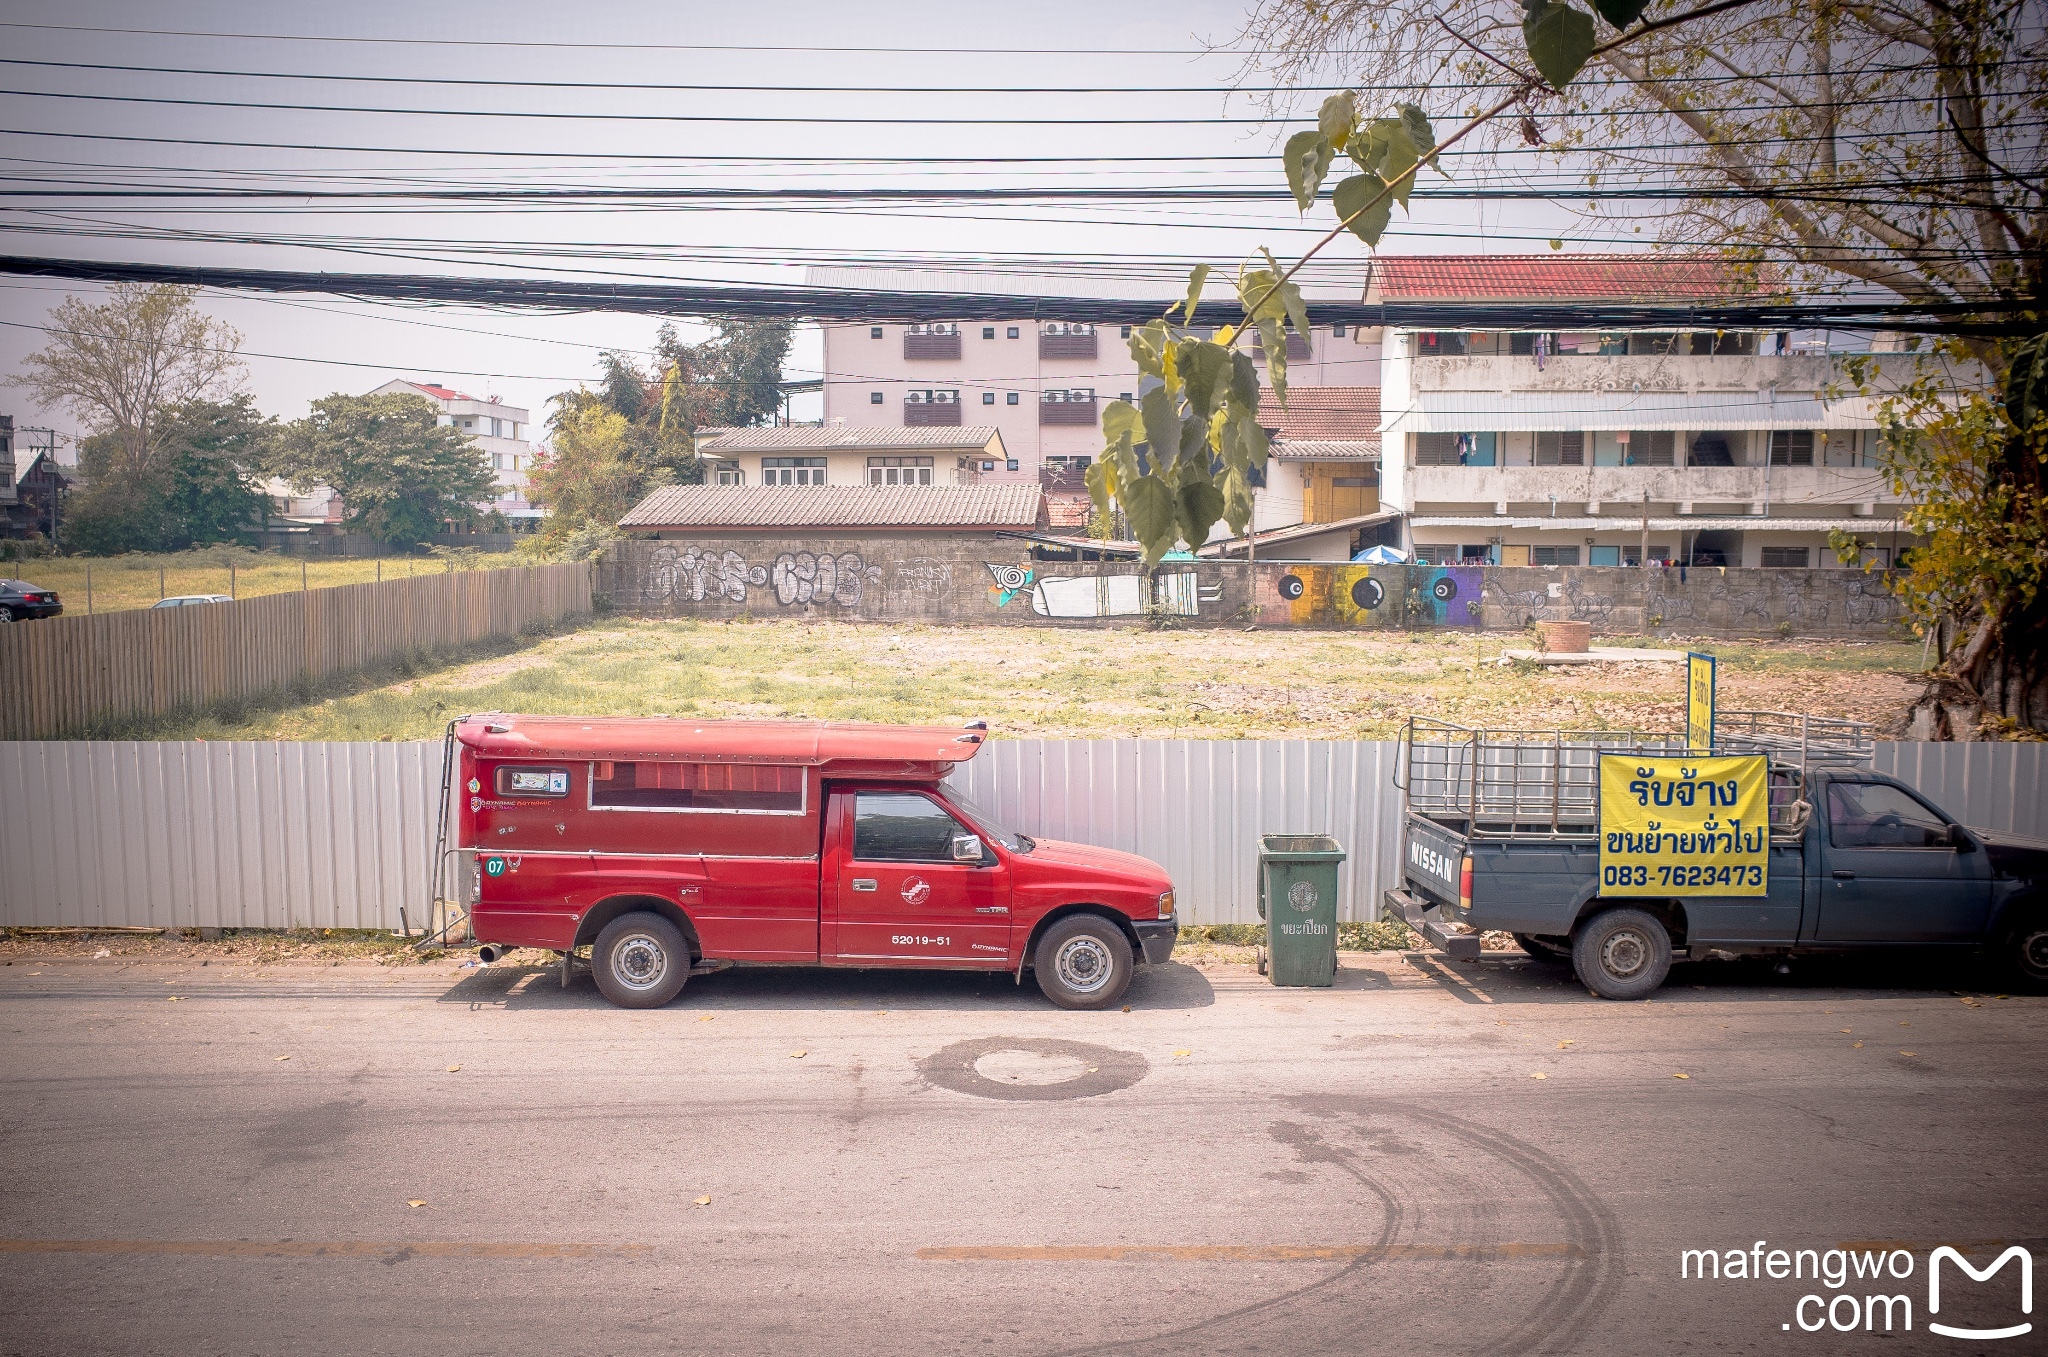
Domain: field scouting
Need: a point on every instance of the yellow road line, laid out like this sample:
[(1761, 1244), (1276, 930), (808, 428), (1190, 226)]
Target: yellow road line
[(322, 1248), (1242, 1253)]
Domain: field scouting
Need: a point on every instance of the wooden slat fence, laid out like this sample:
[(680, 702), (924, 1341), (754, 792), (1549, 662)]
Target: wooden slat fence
[(67, 675)]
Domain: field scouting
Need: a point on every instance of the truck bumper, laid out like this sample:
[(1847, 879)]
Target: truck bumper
[(1412, 910), (1156, 938)]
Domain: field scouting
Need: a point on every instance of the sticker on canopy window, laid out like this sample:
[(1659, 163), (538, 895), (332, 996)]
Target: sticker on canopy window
[(533, 782)]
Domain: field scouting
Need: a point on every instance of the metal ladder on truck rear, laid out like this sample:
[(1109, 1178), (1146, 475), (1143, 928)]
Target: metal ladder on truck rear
[(447, 913)]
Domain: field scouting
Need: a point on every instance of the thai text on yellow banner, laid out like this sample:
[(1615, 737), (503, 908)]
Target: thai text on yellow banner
[(1684, 826)]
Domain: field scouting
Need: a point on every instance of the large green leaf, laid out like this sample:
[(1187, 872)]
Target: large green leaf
[(1149, 509), (1621, 13), (1148, 348), (1337, 117), (1162, 425), (1420, 132), (1120, 419), (1368, 197), (1200, 505), (1290, 295), (1099, 489), (1205, 370), (1237, 501), (1560, 41), (1196, 277), (1244, 380), (1307, 158)]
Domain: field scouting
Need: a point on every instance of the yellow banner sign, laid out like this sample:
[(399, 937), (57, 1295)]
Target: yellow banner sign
[(1699, 703), (1684, 826)]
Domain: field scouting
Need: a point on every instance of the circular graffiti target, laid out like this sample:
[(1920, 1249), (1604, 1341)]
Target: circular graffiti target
[(1302, 895), (1368, 593), (1445, 589), (1011, 577), (1290, 587)]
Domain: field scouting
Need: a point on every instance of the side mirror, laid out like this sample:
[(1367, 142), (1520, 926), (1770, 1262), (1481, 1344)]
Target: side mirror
[(966, 848)]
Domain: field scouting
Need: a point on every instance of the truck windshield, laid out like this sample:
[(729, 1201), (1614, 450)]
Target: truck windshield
[(990, 827)]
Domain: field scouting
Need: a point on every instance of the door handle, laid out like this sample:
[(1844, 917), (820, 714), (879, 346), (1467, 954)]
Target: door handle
[(863, 883), (1841, 875)]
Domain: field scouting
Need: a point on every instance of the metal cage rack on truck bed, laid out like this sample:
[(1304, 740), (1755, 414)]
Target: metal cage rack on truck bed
[(1545, 784)]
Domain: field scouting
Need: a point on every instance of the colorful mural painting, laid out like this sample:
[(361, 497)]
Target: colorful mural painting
[(1374, 596)]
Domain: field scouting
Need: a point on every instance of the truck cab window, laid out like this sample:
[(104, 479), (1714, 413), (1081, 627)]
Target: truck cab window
[(902, 827), (1875, 815)]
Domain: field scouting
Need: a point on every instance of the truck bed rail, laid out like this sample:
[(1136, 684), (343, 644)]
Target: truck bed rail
[(1513, 783)]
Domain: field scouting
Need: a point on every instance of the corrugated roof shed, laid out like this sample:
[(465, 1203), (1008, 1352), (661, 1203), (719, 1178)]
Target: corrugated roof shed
[(693, 508)]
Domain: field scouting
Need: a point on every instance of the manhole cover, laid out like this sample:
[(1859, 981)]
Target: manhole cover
[(1030, 1069)]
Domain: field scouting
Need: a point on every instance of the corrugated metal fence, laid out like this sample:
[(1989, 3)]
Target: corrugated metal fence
[(77, 673), (339, 835)]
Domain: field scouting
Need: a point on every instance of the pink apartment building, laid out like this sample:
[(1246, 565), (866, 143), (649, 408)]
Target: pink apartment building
[(1042, 383)]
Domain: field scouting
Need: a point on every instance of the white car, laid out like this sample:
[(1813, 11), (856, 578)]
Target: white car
[(187, 600)]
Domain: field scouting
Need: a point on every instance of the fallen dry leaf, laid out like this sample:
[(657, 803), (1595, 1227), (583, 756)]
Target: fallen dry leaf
[(1856, 1045), (103, 952), (1681, 1076), (1908, 1054), (1969, 1002), (703, 1201), (1562, 1045), (281, 1057), (1127, 1008), (797, 1055), (1905, 1024), (1539, 1075), (707, 1017), (417, 1202), (1182, 1053), (174, 998), (1845, 1031), (453, 1068)]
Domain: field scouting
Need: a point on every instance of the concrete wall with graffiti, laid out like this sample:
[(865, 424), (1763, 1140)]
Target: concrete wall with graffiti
[(970, 579)]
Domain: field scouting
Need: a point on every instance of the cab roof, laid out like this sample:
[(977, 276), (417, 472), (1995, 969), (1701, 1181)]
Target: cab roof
[(803, 743)]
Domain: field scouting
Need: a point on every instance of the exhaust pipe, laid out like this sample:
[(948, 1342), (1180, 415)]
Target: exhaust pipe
[(493, 951)]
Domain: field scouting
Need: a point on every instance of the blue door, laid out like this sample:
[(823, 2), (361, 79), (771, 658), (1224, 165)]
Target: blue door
[(1894, 871)]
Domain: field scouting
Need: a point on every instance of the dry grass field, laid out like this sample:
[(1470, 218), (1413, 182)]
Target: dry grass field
[(1038, 682), (138, 580)]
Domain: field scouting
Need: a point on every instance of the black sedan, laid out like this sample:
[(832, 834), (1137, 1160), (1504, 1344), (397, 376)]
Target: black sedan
[(20, 601)]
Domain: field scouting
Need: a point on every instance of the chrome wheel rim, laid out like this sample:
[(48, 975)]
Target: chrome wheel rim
[(639, 961), (1083, 964), (1624, 953)]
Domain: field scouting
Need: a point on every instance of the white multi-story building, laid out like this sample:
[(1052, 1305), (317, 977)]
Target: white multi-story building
[(500, 429), (1527, 447)]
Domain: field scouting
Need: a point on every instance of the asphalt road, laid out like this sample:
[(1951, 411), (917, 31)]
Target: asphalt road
[(798, 1162)]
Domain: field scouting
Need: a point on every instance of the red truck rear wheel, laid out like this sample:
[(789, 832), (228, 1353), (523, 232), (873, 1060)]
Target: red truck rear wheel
[(641, 961)]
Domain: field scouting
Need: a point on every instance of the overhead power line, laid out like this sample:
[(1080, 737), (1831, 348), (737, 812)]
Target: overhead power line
[(1988, 317)]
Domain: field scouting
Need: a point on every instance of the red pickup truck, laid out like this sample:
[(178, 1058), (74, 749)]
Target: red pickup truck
[(671, 846)]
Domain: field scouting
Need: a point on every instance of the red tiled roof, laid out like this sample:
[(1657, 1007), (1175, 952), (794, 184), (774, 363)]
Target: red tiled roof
[(1324, 413), (441, 392), (1556, 277), (778, 507)]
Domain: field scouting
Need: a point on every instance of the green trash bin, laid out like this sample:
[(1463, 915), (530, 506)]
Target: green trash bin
[(1298, 901)]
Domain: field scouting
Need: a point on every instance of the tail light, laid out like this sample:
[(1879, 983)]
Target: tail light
[(1465, 883)]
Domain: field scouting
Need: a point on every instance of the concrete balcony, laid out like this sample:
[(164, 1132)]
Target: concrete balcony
[(1621, 486), (1646, 372)]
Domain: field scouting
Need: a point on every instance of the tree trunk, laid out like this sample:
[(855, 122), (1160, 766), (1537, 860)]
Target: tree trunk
[(1995, 687)]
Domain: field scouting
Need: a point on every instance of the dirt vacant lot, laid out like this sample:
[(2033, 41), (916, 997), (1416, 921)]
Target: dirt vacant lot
[(1035, 682)]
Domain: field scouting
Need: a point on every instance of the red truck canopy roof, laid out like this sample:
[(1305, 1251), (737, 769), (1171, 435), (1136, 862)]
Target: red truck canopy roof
[(874, 750)]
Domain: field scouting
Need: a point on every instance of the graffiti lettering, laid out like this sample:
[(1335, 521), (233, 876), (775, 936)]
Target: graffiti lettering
[(805, 577)]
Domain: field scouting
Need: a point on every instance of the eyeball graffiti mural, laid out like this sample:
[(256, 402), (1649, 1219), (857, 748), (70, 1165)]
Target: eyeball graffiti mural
[(1011, 580), (1375, 596)]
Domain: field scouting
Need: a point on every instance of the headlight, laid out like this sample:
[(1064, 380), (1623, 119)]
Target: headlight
[(1166, 905)]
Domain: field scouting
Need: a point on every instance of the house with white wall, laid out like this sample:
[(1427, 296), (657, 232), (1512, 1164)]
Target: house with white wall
[(500, 430), (1526, 446)]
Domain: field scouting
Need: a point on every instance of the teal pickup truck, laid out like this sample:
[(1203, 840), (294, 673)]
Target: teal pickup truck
[(1502, 834)]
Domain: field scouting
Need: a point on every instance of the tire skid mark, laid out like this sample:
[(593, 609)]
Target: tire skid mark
[(1588, 1286), (1395, 1215)]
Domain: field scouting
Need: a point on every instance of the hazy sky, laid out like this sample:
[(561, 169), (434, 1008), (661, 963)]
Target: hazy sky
[(301, 347)]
